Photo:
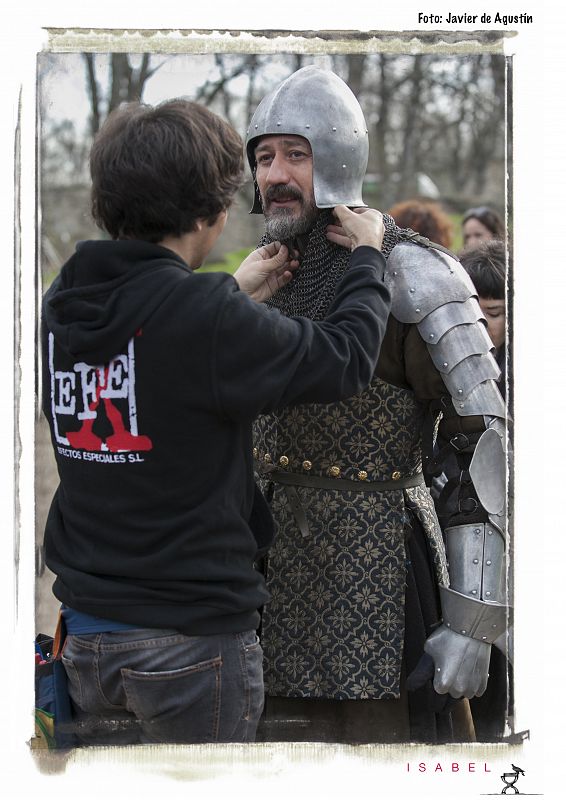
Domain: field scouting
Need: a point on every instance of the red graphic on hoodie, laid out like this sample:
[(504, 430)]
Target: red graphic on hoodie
[(120, 440)]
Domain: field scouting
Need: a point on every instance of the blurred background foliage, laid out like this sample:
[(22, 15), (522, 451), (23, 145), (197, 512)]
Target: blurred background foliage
[(436, 125)]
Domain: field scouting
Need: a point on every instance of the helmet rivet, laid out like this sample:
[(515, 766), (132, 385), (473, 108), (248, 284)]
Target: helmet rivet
[(278, 124), (256, 127), (431, 336), (355, 130), (417, 310), (343, 166), (333, 129), (307, 126)]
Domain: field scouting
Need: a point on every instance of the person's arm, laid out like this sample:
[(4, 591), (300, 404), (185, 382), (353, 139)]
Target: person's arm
[(433, 295), (265, 360)]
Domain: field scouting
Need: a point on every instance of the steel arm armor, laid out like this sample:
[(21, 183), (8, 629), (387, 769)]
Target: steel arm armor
[(431, 290)]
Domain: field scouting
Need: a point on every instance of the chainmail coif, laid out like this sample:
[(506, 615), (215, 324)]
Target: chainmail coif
[(313, 287)]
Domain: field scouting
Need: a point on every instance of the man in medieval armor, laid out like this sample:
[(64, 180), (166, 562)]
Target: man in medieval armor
[(380, 624)]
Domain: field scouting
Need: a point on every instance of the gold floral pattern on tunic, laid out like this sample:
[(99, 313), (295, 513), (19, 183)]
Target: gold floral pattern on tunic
[(334, 626)]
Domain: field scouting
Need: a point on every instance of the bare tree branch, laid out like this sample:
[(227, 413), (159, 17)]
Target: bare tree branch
[(92, 88)]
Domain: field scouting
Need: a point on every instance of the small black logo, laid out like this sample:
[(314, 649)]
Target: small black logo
[(510, 779)]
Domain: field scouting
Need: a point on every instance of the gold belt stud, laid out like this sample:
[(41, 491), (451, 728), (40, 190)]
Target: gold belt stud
[(362, 475), (307, 465), (267, 458), (334, 472), (284, 461), (396, 475)]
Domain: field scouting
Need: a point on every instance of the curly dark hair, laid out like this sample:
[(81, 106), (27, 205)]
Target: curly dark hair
[(156, 170), (425, 217)]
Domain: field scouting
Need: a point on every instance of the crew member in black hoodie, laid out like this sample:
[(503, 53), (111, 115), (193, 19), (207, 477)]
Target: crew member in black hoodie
[(152, 377)]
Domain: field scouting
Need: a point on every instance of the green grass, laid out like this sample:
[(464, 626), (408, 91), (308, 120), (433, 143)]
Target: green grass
[(230, 263), (457, 242)]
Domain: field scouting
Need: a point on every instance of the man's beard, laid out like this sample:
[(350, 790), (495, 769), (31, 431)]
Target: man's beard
[(283, 224)]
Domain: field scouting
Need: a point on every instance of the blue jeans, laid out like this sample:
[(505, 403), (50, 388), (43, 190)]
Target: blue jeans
[(148, 686)]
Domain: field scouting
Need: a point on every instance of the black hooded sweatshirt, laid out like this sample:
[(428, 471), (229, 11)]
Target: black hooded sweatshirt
[(152, 376)]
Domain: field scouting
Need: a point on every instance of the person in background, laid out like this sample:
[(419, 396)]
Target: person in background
[(485, 264), (153, 375), (425, 217), (481, 223)]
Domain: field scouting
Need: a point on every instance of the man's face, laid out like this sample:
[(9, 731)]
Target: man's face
[(284, 179)]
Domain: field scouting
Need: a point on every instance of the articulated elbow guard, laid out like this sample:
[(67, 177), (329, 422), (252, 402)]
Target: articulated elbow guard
[(431, 290)]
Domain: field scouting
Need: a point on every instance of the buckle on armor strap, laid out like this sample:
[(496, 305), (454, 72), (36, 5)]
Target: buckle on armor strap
[(468, 505), (459, 442)]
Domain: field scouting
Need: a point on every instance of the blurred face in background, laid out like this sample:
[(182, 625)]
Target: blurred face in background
[(494, 312), (474, 232)]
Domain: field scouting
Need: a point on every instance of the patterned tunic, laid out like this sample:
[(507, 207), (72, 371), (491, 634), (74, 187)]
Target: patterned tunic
[(334, 626)]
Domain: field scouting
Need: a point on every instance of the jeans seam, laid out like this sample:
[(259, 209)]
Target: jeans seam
[(155, 675), (143, 644), (69, 666), (246, 679), (218, 702), (96, 668), (137, 644)]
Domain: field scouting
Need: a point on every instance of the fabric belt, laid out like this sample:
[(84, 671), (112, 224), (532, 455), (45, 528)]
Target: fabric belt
[(291, 480)]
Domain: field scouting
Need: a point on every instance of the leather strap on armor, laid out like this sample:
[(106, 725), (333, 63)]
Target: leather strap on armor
[(320, 482), (291, 480)]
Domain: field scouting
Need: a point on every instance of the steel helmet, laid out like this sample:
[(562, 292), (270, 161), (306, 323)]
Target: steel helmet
[(316, 104)]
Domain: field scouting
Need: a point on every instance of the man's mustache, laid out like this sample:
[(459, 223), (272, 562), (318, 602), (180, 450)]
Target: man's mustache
[(281, 192)]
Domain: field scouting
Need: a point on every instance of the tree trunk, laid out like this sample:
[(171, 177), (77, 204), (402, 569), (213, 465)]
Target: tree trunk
[(409, 161), (92, 87)]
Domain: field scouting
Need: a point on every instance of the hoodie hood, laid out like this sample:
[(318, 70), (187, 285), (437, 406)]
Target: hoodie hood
[(105, 292)]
